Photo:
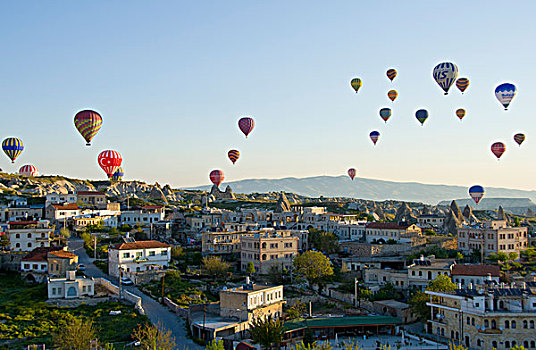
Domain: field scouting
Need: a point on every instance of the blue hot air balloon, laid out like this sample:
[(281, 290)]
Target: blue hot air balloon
[(421, 115), (374, 136), (505, 93), (12, 147), (477, 192)]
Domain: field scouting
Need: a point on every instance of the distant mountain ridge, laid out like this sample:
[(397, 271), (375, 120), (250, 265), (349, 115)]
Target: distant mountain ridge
[(362, 188)]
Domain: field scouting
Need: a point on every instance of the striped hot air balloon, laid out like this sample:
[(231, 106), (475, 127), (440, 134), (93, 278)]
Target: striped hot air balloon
[(356, 84), (233, 155), (445, 75), (392, 94), (385, 114), (109, 161), (28, 170), (217, 177), (477, 192), (462, 84), (118, 175), (88, 123), (374, 136), (519, 138), (391, 74), (498, 149), (12, 147), (421, 115), (352, 173), (460, 113), (246, 125)]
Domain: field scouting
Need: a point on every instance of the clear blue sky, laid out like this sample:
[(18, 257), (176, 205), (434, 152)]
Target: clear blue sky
[(171, 79)]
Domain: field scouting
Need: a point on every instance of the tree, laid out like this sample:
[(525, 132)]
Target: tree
[(250, 268), (313, 346), (459, 256), (296, 310), (442, 283), (266, 331), (512, 256), (154, 337), (65, 233), (275, 275), (313, 266), (4, 241), (176, 252), (74, 333), (214, 266), (418, 301), (387, 292), (215, 344), (517, 222), (324, 241)]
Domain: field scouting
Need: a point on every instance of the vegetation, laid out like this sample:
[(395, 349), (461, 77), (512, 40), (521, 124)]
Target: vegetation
[(177, 252), (250, 268), (323, 241), (154, 337), (387, 292), (313, 346), (215, 344), (296, 310), (215, 266), (74, 333), (4, 241), (418, 301), (266, 331), (313, 266)]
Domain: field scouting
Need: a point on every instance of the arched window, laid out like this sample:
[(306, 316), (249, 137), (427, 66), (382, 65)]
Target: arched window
[(264, 245), (451, 334), (506, 324), (264, 257), (29, 244), (493, 324), (442, 332), (457, 335), (514, 324), (526, 344), (486, 323), (438, 331), (17, 245), (525, 325), (17, 235), (29, 235), (531, 324), (514, 343), (532, 344), (507, 344), (494, 344)]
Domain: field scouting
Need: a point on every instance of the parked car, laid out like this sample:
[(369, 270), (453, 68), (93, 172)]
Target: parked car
[(126, 281), (81, 267)]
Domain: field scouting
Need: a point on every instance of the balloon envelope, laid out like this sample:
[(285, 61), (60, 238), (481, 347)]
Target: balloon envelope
[(460, 113), (385, 114), (12, 147), (352, 172), (421, 115), (374, 136), (498, 149), (505, 93), (28, 170), (519, 138), (217, 177), (445, 75), (476, 192), (462, 84), (233, 155), (356, 84), (246, 125), (118, 174), (391, 74), (392, 94), (109, 161), (88, 123)]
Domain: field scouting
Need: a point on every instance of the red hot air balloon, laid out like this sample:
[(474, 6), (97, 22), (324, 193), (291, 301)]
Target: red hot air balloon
[(352, 173), (217, 177), (109, 161), (498, 149), (246, 125), (28, 170)]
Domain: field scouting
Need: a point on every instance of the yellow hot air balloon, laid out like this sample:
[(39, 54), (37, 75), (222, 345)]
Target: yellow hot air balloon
[(356, 84)]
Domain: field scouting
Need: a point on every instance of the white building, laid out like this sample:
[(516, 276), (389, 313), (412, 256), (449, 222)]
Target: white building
[(138, 256), (25, 236), (475, 275), (146, 215), (60, 212), (59, 198), (70, 287)]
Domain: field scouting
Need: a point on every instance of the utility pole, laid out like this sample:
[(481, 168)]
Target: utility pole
[(95, 246), (204, 313), (120, 276), (163, 278), (355, 291)]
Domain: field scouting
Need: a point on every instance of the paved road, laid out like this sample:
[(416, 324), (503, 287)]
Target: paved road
[(156, 312)]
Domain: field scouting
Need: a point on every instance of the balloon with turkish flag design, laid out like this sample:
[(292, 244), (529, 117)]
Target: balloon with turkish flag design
[(109, 161)]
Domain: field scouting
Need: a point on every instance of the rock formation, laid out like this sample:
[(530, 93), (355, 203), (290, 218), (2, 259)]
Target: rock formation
[(283, 204), (218, 194), (501, 215)]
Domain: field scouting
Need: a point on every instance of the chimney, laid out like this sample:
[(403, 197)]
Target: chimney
[(488, 277), (247, 280), (71, 275)]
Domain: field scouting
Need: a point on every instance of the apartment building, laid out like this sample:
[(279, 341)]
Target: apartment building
[(385, 231), (25, 236), (268, 249), (144, 216), (138, 256), (493, 236), (475, 275), (222, 242), (424, 270), (92, 198), (251, 301)]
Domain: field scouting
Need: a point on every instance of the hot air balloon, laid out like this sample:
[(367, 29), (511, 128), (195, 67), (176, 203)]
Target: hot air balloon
[(374, 136), (421, 115), (233, 155), (462, 84), (352, 172), (12, 147), (445, 75), (216, 176), (356, 84), (28, 170), (505, 93), (118, 175), (477, 192), (460, 113), (519, 138), (88, 123), (246, 125), (392, 94), (385, 114), (498, 149), (391, 74), (109, 161)]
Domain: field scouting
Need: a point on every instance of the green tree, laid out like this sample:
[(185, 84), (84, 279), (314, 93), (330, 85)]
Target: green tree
[(441, 283), (324, 241), (418, 301), (266, 331), (74, 333), (154, 337), (250, 268), (215, 267), (517, 222), (65, 233), (275, 275), (459, 256), (215, 344), (176, 252), (4, 241), (313, 346), (512, 256), (387, 292), (296, 310), (313, 266)]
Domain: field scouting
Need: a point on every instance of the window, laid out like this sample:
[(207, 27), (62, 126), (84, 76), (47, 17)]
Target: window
[(29, 244), (494, 344), (493, 324), (53, 291), (17, 245), (29, 235), (507, 324), (26, 266), (532, 344), (514, 325), (507, 344), (138, 254), (525, 324), (89, 289), (151, 253), (126, 255), (531, 324), (164, 252)]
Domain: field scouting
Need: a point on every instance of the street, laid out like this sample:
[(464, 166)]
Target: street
[(155, 311)]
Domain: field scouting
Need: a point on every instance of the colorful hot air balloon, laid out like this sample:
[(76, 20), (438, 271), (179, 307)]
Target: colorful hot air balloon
[(217, 177), (12, 147), (88, 124), (374, 136), (246, 125), (391, 74), (118, 175), (421, 115), (28, 170), (356, 84), (109, 161), (445, 75), (392, 94), (477, 192), (519, 138), (385, 114), (460, 113), (462, 84), (498, 149), (233, 155), (505, 94), (352, 173)]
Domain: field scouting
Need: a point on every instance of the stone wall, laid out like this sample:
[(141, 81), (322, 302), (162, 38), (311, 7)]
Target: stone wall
[(126, 295), (10, 261)]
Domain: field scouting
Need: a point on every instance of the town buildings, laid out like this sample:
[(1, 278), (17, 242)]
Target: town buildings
[(386, 231), (25, 236), (494, 236), (70, 287), (135, 258), (146, 215), (475, 275), (268, 249)]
